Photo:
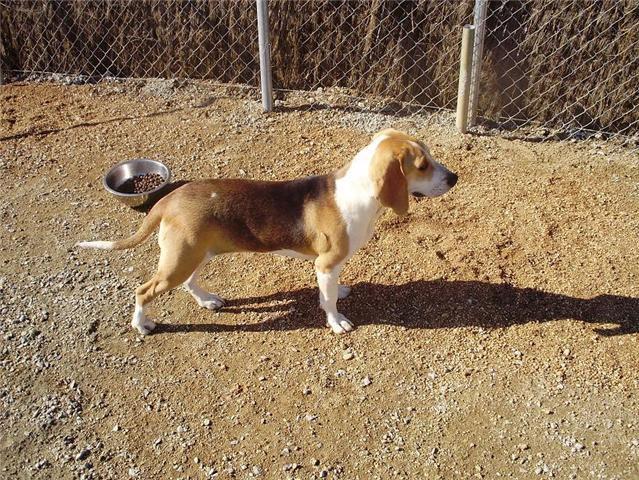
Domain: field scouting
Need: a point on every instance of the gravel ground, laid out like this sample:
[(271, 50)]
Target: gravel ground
[(498, 325)]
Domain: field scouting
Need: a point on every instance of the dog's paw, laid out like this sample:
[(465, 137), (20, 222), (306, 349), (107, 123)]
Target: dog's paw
[(210, 301), (339, 323), (343, 291), (144, 325)]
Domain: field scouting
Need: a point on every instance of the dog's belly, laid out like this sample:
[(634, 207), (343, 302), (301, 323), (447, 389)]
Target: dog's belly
[(294, 254)]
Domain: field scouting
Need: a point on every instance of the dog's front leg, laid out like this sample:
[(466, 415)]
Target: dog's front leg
[(327, 280)]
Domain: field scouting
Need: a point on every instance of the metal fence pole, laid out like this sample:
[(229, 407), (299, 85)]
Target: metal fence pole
[(465, 66), (478, 53), (265, 55)]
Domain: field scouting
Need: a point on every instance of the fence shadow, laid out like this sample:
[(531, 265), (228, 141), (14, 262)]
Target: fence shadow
[(91, 123), (430, 304)]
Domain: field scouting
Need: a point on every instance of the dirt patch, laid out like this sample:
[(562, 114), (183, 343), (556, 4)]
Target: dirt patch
[(497, 325)]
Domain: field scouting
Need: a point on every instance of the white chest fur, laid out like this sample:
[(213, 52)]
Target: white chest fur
[(355, 198)]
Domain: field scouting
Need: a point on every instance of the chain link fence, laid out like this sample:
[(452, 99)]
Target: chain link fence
[(403, 53), (570, 65), (565, 68), (94, 39)]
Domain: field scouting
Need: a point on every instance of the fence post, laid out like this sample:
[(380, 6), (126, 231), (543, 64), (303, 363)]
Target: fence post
[(465, 66), (478, 53), (265, 55)]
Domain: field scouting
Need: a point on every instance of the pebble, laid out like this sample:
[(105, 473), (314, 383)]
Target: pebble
[(83, 454), (348, 355), (366, 381)]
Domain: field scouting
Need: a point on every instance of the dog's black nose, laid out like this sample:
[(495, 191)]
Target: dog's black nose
[(451, 179)]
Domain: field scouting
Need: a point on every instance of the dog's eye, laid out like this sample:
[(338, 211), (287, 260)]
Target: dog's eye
[(423, 167)]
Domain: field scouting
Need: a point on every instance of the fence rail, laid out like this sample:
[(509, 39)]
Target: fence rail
[(569, 66)]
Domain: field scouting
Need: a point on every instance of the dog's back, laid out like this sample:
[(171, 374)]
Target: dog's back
[(249, 215)]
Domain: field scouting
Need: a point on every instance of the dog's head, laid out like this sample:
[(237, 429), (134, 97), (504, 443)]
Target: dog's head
[(401, 165)]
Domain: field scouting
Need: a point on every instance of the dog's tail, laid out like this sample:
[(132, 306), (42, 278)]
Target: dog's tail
[(150, 223)]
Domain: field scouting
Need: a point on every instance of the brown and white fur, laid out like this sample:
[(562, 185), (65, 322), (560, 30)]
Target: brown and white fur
[(324, 218)]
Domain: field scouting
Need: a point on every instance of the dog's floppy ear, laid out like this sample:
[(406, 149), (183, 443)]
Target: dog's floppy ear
[(387, 173)]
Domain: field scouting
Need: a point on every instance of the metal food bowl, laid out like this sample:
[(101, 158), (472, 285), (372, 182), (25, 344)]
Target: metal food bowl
[(116, 178)]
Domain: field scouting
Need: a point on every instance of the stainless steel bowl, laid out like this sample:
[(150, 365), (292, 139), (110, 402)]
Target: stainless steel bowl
[(115, 178)]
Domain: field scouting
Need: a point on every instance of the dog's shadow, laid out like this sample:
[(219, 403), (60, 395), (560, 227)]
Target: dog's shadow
[(429, 304)]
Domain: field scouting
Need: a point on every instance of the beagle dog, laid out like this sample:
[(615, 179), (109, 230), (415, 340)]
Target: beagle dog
[(324, 218)]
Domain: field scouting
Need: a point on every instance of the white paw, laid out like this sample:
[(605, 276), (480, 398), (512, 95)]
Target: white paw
[(339, 323), (210, 301), (143, 325), (343, 291)]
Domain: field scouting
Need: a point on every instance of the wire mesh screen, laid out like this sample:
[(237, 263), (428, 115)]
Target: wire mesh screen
[(567, 65), (403, 51), (132, 38)]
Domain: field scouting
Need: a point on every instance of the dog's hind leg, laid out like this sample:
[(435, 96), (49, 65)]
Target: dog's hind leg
[(178, 261), (202, 297), (343, 291)]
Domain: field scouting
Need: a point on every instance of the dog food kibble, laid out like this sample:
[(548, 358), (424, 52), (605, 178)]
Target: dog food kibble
[(142, 183)]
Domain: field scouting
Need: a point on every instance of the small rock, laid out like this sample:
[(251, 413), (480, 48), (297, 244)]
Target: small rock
[(206, 422), (366, 381), (83, 454), (44, 463), (348, 355)]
